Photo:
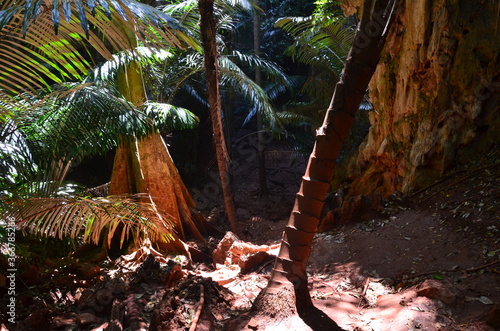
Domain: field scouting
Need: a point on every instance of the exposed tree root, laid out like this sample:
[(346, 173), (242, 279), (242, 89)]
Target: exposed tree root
[(199, 309), (277, 311), (191, 303)]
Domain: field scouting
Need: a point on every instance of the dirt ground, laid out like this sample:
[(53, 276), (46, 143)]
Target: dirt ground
[(430, 261)]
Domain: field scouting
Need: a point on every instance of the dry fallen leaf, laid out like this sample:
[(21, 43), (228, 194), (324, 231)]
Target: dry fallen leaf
[(485, 300)]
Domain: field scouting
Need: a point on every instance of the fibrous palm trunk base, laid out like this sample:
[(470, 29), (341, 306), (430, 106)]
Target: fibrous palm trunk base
[(146, 167), (282, 311)]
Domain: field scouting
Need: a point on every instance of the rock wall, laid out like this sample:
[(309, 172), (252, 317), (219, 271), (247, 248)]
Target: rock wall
[(435, 93)]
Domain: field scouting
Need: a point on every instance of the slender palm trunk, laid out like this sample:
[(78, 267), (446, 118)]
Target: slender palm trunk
[(261, 156), (289, 278), (208, 33)]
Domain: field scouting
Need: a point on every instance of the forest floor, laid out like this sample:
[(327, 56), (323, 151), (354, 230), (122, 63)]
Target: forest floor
[(429, 261)]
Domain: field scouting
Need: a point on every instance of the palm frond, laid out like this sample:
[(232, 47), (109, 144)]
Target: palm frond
[(181, 73), (38, 57), (80, 120), (294, 119), (91, 218), (168, 117), (144, 55), (238, 5), (319, 85), (16, 161), (225, 11), (270, 69), (186, 13), (275, 90), (322, 44), (233, 76)]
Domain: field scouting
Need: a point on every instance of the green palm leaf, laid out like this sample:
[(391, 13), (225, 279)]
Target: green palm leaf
[(168, 117), (91, 218), (36, 57), (75, 121), (323, 44), (232, 76), (80, 120)]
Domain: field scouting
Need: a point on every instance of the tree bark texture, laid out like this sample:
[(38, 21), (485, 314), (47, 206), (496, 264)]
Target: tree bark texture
[(290, 268), (208, 34), (435, 92)]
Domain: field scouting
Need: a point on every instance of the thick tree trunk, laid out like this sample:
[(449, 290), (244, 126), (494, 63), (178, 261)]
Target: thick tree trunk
[(436, 95), (208, 34), (146, 167), (289, 279)]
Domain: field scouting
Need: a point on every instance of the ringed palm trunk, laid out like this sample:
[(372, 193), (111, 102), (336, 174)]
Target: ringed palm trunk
[(289, 279), (208, 33), (145, 166)]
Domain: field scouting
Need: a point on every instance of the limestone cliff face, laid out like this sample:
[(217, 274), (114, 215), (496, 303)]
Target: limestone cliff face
[(435, 93)]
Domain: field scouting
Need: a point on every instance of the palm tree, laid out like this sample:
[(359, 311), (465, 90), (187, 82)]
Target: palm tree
[(71, 50), (41, 138), (288, 284), (258, 80), (229, 67), (208, 37), (322, 41), (104, 39)]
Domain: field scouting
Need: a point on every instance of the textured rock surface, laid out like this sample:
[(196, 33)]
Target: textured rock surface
[(435, 92)]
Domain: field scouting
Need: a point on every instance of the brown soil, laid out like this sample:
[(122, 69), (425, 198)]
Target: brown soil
[(430, 261), (425, 262)]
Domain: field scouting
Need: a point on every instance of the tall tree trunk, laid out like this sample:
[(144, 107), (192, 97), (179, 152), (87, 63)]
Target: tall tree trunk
[(288, 283), (261, 156), (145, 166), (208, 34), (436, 91)]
